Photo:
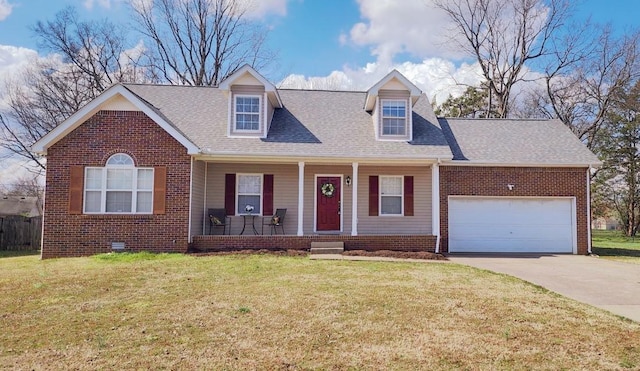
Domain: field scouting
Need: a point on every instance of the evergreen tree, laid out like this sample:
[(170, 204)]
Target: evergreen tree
[(618, 182)]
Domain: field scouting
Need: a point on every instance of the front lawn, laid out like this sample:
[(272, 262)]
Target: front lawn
[(615, 245), (148, 311)]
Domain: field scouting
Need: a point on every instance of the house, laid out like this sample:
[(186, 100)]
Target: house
[(139, 167), (20, 222), (605, 223)]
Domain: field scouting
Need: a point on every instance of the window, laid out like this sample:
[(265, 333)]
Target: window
[(249, 194), (119, 187), (394, 117), (391, 193), (247, 113)]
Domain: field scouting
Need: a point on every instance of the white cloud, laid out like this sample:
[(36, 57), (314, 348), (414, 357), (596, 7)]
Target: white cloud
[(13, 60), (103, 3), (436, 77), (416, 27), (13, 169), (5, 9), (261, 8)]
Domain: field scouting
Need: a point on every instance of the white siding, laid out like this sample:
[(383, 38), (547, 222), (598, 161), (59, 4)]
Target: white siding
[(285, 191), (420, 223)]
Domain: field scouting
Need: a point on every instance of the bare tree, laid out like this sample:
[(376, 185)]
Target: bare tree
[(86, 58), (200, 42), (504, 36), (96, 49), (579, 89)]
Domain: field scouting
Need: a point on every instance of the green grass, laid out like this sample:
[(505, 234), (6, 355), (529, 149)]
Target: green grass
[(616, 246), (140, 311)]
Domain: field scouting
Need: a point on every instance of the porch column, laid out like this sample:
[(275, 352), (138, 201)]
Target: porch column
[(300, 198), (435, 203), (354, 199)]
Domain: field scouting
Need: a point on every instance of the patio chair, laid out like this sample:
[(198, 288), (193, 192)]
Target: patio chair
[(277, 220), (218, 218)]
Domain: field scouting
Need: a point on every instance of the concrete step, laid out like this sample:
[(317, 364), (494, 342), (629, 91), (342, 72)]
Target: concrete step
[(327, 247)]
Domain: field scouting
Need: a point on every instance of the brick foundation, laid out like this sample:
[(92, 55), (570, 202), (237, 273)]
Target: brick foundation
[(369, 243), (149, 145), (529, 182)]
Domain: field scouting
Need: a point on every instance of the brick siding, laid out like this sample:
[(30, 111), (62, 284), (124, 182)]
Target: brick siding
[(91, 144), (369, 243), (492, 181)]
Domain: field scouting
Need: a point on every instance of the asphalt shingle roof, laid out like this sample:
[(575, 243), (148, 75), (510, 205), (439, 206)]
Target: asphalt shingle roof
[(312, 124), (501, 141), (334, 124)]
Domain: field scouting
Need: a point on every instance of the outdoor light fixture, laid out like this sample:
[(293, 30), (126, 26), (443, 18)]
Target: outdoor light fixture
[(348, 181), (511, 186)]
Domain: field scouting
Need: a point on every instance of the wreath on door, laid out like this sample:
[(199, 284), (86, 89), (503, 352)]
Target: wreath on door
[(328, 189)]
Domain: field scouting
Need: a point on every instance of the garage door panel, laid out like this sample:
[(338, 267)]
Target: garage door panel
[(511, 225), (511, 231)]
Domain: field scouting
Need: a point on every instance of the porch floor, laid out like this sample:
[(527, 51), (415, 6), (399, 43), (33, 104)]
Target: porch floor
[(203, 243)]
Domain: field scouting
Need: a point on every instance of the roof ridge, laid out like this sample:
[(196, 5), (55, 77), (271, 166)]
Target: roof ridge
[(167, 85), (324, 90)]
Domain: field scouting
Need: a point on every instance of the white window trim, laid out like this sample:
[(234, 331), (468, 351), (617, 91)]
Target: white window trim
[(401, 195), (238, 175), (103, 189), (234, 128), (406, 120)]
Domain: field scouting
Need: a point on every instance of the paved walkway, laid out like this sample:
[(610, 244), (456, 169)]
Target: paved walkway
[(606, 284)]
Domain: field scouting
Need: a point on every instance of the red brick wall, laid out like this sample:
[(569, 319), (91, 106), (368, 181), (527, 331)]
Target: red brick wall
[(492, 181), (369, 243), (91, 144)]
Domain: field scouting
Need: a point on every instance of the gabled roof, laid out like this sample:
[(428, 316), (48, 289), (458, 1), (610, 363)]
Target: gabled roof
[(268, 86), (505, 142), (95, 105), (19, 205), (372, 93)]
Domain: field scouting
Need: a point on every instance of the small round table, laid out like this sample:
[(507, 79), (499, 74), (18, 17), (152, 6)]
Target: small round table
[(246, 217)]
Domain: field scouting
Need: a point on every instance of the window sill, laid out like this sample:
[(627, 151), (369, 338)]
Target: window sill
[(118, 216)]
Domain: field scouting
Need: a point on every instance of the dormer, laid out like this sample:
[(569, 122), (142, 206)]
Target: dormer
[(252, 102), (390, 102)]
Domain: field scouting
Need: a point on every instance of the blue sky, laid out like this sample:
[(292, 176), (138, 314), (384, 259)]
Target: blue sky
[(307, 34), (330, 44), (312, 37)]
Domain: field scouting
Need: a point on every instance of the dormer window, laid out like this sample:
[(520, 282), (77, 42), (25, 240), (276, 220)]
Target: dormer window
[(394, 117), (247, 113)]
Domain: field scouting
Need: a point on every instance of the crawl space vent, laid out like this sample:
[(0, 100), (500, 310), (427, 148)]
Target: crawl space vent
[(117, 245)]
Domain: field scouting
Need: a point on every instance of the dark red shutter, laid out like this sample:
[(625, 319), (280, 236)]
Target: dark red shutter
[(373, 195), (159, 189), (76, 189), (230, 194), (408, 196), (267, 195)]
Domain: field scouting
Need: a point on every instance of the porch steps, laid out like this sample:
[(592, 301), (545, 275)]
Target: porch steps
[(327, 248)]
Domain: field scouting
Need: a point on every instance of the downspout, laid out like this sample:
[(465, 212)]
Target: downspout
[(589, 210), (435, 201)]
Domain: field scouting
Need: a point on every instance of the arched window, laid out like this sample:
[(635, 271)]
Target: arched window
[(120, 159), (118, 188)]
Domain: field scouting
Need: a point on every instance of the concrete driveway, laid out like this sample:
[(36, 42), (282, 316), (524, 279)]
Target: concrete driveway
[(610, 285)]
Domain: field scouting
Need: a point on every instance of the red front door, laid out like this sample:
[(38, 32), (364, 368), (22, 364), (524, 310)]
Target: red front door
[(328, 208)]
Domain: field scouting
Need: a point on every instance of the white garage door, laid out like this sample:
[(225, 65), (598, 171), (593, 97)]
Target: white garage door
[(479, 224)]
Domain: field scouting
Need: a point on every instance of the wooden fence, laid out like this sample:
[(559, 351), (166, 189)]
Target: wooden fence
[(20, 233)]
